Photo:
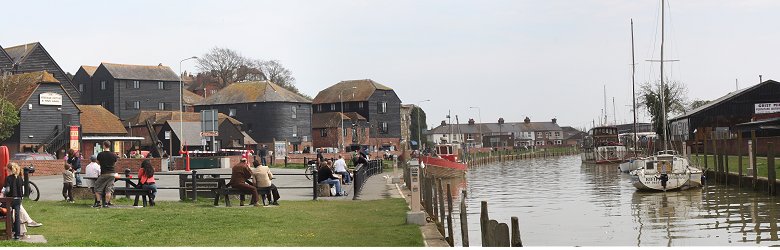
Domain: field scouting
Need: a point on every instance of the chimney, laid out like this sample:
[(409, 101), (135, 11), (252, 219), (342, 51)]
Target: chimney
[(444, 123), (159, 65), (554, 121), (471, 121), (501, 120), (527, 120)]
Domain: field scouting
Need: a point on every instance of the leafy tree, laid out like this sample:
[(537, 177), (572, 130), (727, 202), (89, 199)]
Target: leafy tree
[(675, 95), (698, 103), (418, 125), (9, 118)]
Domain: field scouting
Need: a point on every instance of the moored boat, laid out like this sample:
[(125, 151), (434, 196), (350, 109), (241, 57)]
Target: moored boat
[(665, 171), (602, 146)]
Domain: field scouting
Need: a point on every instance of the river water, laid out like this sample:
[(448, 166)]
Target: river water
[(563, 202)]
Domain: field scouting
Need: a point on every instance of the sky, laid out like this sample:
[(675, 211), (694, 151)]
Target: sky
[(512, 59)]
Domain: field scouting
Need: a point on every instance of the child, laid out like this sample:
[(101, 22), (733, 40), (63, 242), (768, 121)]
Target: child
[(67, 183)]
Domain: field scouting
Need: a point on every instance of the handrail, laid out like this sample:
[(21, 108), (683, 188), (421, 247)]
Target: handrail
[(363, 172)]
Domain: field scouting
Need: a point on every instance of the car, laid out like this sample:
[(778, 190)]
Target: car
[(32, 156)]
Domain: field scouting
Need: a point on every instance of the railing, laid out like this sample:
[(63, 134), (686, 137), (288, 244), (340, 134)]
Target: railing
[(362, 173)]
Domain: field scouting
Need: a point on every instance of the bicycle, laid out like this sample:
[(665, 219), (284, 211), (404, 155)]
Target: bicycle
[(32, 192), (310, 169)]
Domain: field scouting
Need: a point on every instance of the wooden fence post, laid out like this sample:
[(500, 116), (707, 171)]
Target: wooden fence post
[(770, 166), (442, 214), (755, 165), (516, 241), (501, 235), (715, 160), (704, 154), (464, 222), (739, 159), (483, 222), (450, 233)]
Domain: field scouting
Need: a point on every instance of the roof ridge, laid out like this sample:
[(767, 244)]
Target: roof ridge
[(137, 65)]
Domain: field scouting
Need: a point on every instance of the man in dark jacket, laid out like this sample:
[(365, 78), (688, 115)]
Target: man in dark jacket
[(241, 173)]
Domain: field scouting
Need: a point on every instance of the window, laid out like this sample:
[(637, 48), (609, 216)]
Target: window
[(81, 87), (160, 85), (102, 85), (319, 108), (295, 131), (383, 128), (382, 107), (333, 107), (557, 133), (136, 84), (323, 132), (232, 113), (133, 105), (161, 105), (236, 142), (294, 112), (344, 131), (360, 105), (557, 142)]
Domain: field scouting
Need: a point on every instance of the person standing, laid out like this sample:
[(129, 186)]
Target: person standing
[(263, 154), (93, 171), (104, 185), (75, 162), (263, 176), (240, 174), (67, 183), (340, 167), (320, 158), (146, 179), (13, 189)]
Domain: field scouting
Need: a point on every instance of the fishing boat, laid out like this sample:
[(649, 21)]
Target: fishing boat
[(667, 170), (602, 146), (445, 162)]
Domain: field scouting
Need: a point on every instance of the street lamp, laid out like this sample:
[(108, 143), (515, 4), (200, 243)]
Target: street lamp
[(479, 113), (341, 119), (181, 105), (419, 131)]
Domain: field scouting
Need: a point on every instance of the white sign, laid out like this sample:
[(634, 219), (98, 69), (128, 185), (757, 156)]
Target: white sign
[(767, 108), (51, 99), (209, 133), (281, 149), (167, 135)]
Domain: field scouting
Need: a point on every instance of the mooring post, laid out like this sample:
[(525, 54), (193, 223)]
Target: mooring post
[(704, 154), (442, 213), (770, 166), (739, 159), (464, 222), (715, 160), (483, 220), (450, 232), (516, 241), (753, 158)]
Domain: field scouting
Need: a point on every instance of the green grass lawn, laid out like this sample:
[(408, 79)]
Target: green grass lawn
[(761, 164), (294, 223)]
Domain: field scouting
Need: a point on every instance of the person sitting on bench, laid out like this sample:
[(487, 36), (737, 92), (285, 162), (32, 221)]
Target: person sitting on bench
[(326, 176), (262, 176), (146, 180), (340, 167), (241, 173)]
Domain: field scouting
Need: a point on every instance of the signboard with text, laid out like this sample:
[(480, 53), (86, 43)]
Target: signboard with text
[(50, 99), (280, 149), (767, 108), (74, 138)]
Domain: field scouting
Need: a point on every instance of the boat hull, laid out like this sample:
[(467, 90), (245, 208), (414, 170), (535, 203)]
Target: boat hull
[(680, 175), (604, 155)]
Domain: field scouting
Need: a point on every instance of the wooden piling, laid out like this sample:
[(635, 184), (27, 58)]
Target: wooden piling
[(753, 150), (483, 222), (442, 214), (464, 222), (704, 153), (770, 166), (501, 235), (516, 241), (739, 159), (715, 160), (450, 233)]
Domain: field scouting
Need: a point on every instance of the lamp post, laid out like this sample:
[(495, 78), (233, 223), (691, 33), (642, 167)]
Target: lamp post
[(419, 130), (479, 113), (181, 105), (341, 119)]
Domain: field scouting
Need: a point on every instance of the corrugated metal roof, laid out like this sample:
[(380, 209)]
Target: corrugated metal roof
[(97, 120), (255, 91), (722, 99), (363, 89), (141, 72), (190, 130)]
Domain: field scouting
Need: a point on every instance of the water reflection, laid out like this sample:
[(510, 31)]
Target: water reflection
[(561, 202)]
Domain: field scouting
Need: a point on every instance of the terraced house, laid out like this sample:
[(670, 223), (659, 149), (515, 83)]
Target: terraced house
[(126, 89), (377, 103)]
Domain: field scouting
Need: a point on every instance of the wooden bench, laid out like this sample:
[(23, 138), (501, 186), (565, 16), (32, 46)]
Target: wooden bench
[(223, 190), (143, 193), (9, 220)]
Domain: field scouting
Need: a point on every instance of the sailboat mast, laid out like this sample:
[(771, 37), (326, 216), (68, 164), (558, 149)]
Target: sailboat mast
[(605, 106), (633, 83), (663, 87)]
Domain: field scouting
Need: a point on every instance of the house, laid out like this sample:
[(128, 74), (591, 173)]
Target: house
[(83, 79), (326, 127), (718, 118), (48, 116), (33, 57), (572, 136), (545, 133), (126, 89), (98, 125), (470, 134), (378, 103), (190, 99), (269, 112), (137, 126)]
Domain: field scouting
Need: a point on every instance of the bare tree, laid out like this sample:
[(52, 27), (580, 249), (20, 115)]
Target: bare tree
[(277, 73), (224, 63)]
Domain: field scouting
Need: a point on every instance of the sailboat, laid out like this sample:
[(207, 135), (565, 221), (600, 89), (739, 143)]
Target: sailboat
[(667, 170)]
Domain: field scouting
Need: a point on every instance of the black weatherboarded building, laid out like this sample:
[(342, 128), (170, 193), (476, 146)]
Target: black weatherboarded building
[(33, 57), (127, 89), (268, 112), (378, 103)]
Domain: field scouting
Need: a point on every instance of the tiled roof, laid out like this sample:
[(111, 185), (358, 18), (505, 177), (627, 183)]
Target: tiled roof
[(363, 89), (331, 119), (248, 139), (90, 70), (18, 53), (461, 129), (5, 60), (191, 98), (255, 91), (21, 86), (97, 120), (160, 117), (724, 98), (141, 72)]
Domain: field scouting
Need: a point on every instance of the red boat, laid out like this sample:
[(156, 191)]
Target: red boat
[(447, 158)]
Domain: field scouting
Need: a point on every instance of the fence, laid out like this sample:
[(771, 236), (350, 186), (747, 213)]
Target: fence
[(493, 234), (362, 173), (479, 159), (718, 157)]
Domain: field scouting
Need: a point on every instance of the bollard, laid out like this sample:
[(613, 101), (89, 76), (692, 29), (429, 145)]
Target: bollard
[(285, 162), (194, 185)]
